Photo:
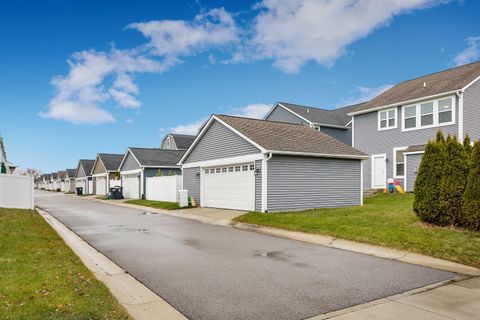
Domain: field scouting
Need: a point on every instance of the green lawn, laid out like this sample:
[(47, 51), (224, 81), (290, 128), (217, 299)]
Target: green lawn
[(386, 220), (41, 278), (155, 204)]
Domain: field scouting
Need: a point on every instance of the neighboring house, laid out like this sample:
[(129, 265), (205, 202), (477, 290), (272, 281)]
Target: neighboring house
[(70, 180), (393, 127), (248, 164), (105, 172), (61, 180), (336, 122), (53, 181), (46, 181), (174, 141), (139, 163), (83, 177)]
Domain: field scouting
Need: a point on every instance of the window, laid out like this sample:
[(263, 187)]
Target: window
[(410, 117), (429, 114), (244, 168), (237, 168), (218, 170), (399, 162), (387, 119), (212, 171), (230, 169), (207, 171), (167, 143), (252, 167), (224, 169)]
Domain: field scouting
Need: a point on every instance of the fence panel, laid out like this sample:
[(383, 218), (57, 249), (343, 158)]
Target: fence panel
[(163, 188), (16, 191)]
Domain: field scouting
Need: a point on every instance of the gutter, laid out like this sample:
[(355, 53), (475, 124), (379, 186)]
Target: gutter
[(320, 155)]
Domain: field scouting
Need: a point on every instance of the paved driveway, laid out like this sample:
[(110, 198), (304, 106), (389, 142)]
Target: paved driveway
[(212, 272)]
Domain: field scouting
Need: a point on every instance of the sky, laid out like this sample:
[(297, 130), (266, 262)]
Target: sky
[(79, 78)]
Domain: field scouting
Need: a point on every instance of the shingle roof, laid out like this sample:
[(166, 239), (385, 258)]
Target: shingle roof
[(71, 173), (436, 83), (111, 161), (153, 157), (47, 176), (415, 148), (336, 117), (182, 141), (61, 174), (54, 176), (282, 136), (87, 166)]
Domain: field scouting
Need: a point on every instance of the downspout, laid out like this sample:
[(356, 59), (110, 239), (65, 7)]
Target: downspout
[(264, 181), (459, 94)]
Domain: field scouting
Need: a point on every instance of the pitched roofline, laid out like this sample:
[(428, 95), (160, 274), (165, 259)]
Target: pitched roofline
[(468, 85), (125, 157), (204, 129), (281, 105), (321, 155), (403, 102)]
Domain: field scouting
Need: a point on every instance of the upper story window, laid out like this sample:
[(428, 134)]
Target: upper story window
[(167, 143), (429, 114), (387, 119)]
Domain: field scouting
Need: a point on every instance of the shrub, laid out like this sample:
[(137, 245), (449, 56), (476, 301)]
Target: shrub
[(452, 183), (470, 217), (426, 188)]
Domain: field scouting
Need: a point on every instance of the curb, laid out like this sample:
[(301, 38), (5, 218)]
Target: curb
[(140, 302)]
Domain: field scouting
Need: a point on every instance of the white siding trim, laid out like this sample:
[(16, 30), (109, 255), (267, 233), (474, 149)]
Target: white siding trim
[(122, 173), (361, 183), (125, 157), (279, 104), (436, 123), (405, 169), (460, 116), (98, 175), (353, 132), (414, 152), (395, 126), (372, 169), (265, 159), (223, 161), (321, 155), (394, 167), (471, 83)]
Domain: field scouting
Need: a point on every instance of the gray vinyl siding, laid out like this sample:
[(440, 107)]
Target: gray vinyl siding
[(220, 142), (471, 111), (173, 146), (371, 141), (297, 183), (80, 172), (130, 163), (411, 170), (280, 114), (192, 183), (344, 135), (258, 186), (99, 168)]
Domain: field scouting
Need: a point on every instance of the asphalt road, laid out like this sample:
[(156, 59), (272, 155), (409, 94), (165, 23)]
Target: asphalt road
[(212, 272)]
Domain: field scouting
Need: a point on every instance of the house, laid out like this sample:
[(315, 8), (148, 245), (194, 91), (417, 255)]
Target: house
[(70, 180), (61, 180), (394, 127), (139, 163), (174, 141), (83, 176), (53, 181), (248, 164), (46, 181), (104, 172), (336, 122)]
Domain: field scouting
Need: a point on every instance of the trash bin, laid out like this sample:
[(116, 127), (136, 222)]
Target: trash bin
[(117, 193), (79, 191)]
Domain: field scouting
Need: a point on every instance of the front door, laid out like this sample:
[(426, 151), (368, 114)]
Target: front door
[(379, 171)]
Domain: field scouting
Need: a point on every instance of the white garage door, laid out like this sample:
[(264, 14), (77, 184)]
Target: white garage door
[(131, 186), (229, 187), (101, 185), (90, 187)]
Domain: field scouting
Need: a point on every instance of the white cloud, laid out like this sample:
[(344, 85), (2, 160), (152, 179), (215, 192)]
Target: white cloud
[(255, 110), (294, 32), (129, 121), (364, 94), (470, 53)]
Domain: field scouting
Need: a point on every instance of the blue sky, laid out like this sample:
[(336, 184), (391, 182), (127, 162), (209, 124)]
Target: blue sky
[(82, 77)]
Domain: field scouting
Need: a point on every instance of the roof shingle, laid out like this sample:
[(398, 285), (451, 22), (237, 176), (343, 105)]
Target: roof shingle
[(111, 161), (182, 141), (153, 157), (335, 117)]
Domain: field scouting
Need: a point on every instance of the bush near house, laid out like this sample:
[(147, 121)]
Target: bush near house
[(471, 199)]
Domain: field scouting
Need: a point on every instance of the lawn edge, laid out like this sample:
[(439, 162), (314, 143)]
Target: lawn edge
[(139, 301)]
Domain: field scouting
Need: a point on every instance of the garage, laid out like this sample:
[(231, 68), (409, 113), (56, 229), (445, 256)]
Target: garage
[(131, 186), (101, 185), (230, 187)]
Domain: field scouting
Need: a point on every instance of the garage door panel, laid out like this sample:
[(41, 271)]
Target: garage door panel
[(101, 186), (229, 190), (131, 187)]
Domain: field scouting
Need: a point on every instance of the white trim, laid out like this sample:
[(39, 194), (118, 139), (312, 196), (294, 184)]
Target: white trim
[(460, 116), (123, 173), (418, 114), (349, 122), (224, 161), (372, 169), (413, 152), (125, 157), (98, 175), (394, 169), (406, 172), (388, 127), (329, 125), (204, 129), (471, 83), (281, 105), (439, 95), (265, 159), (353, 132), (163, 167), (321, 155), (361, 183)]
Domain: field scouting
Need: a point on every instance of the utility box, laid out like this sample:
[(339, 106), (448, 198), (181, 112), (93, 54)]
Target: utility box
[(182, 198)]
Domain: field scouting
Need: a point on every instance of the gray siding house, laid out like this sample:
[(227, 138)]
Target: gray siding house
[(393, 127), (174, 141), (104, 172), (336, 122), (139, 163), (70, 180), (83, 176), (248, 164)]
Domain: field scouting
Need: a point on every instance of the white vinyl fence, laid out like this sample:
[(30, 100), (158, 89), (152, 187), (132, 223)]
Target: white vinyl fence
[(16, 191), (163, 188)]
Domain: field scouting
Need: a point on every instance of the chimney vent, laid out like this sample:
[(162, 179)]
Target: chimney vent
[(308, 110), (424, 84)]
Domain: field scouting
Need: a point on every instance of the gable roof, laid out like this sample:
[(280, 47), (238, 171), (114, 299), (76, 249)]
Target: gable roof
[(283, 138), (47, 176), (111, 161), (416, 148), (61, 174), (443, 82), (334, 117), (182, 141), (154, 157), (70, 173), (87, 166), (53, 176)]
